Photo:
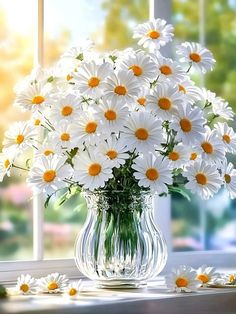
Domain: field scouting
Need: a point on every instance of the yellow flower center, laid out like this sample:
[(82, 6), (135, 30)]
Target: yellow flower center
[(173, 156), (94, 169), (226, 138), (142, 101), (49, 175), (48, 152), (91, 127), (207, 147), (110, 115), (193, 156), (227, 178), (152, 174), (6, 163), (181, 282), (166, 70), (19, 139), (120, 90), (141, 134), (164, 103), (112, 154), (186, 125), (231, 278), (72, 292), (201, 178), (153, 34), (69, 77), (52, 285), (203, 278), (182, 89), (37, 100), (195, 57), (66, 111), (137, 70), (37, 122), (65, 137), (24, 287), (93, 81)]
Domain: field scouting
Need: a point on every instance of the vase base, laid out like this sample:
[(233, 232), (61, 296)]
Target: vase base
[(120, 284)]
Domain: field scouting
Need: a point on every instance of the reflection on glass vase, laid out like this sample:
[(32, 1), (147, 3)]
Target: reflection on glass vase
[(120, 244)]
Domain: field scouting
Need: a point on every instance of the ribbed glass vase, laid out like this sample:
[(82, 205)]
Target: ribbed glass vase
[(119, 244)]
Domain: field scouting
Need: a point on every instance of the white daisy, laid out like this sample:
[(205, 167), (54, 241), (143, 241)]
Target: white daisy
[(203, 179), (48, 174), (164, 100), (227, 136), (229, 178), (199, 57), (206, 274), (141, 99), (112, 116), (142, 132), (64, 135), (73, 289), (154, 34), (210, 147), (179, 156), (121, 87), (19, 137), (194, 154), (26, 285), (222, 109), (153, 172), (90, 78), (188, 123), (115, 150), (53, 283), (92, 170), (37, 120), (141, 65), (6, 162), (67, 107), (47, 149), (182, 279), (190, 92)]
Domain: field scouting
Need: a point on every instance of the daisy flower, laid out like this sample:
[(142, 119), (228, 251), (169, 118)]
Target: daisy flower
[(153, 172), (164, 100), (229, 178), (197, 56), (19, 137), (53, 283), (141, 99), (190, 92), (26, 285), (179, 156), (48, 174), (203, 179), (73, 289), (112, 116), (37, 120), (47, 149), (65, 108), (31, 97), (115, 150), (92, 170), (182, 279), (188, 123), (169, 70), (193, 154), (121, 87), (206, 274), (64, 135), (227, 136), (222, 109), (90, 78), (154, 34), (210, 147), (142, 132), (5, 165), (140, 65)]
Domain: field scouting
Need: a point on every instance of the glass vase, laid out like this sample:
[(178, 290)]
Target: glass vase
[(119, 245)]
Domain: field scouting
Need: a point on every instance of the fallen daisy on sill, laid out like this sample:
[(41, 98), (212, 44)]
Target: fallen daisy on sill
[(73, 289), (53, 283), (207, 275)]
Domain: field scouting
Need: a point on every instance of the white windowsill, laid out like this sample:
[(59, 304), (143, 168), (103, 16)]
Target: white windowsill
[(155, 299)]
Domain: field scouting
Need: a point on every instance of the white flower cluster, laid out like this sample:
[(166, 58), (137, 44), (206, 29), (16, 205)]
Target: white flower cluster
[(52, 283), (132, 108)]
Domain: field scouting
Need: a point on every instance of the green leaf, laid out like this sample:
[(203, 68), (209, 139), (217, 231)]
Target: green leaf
[(80, 57), (182, 191)]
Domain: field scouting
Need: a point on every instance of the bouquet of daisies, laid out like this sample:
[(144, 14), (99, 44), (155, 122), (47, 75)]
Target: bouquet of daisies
[(129, 119)]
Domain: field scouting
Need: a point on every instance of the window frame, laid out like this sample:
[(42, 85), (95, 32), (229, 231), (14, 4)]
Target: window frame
[(9, 270)]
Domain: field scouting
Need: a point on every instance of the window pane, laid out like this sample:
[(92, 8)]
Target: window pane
[(108, 24), (208, 225), (16, 57)]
